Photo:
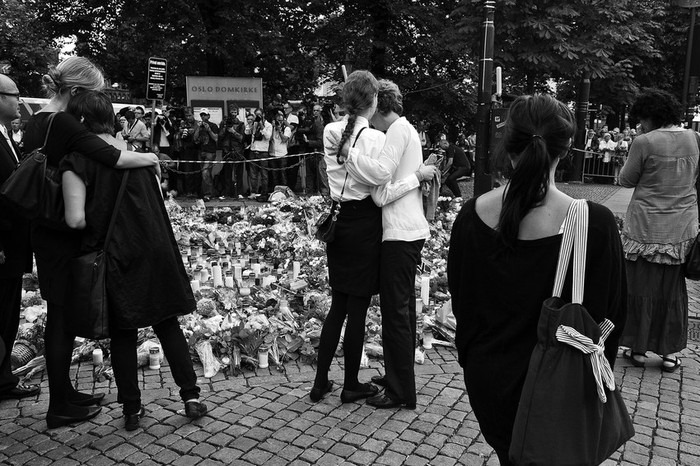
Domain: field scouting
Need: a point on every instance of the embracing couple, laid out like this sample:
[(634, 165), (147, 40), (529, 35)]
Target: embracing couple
[(374, 177)]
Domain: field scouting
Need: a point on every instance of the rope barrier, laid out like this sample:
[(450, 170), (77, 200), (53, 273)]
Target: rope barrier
[(302, 158)]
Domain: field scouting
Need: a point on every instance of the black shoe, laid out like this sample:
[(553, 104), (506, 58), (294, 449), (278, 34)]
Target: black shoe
[(20, 391), (365, 390), (379, 380), (131, 421), (87, 399), (195, 409), (384, 401), (318, 392), (54, 421)]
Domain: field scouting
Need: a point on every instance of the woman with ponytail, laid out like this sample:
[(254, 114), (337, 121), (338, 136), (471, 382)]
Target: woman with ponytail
[(502, 262), (54, 248)]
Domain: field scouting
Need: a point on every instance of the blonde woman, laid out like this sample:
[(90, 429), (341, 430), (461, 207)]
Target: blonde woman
[(53, 248)]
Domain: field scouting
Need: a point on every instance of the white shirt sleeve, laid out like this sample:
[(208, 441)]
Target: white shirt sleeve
[(388, 193), (267, 130), (376, 172)]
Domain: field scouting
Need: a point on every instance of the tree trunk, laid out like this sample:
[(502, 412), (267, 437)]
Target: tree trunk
[(381, 20)]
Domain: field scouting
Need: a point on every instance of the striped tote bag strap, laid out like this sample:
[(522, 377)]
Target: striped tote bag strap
[(575, 239)]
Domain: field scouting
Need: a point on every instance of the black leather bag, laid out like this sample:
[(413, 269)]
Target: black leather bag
[(570, 410), (33, 190), (325, 226), (89, 316), (691, 266)]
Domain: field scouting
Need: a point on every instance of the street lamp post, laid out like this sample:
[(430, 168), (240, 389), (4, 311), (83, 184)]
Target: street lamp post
[(482, 175), (688, 103)]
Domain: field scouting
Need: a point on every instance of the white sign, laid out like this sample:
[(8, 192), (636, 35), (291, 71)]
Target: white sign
[(215, 92)]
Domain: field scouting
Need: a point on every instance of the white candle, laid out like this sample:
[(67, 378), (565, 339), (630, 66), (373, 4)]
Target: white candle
[(97, 356), (425, 288), (238, 272), (256, 268), (245, 291), (296, 268), (228, 281), (262, 358), (195, 285), (216, 272), (499, 80), (419, 305)]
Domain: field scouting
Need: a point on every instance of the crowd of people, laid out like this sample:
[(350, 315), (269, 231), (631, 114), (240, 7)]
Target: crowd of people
[(502, 261)]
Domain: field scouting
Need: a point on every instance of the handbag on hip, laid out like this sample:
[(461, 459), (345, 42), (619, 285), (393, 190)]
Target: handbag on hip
[(325, 225), (89, 316), (570, 411), (33, 190)]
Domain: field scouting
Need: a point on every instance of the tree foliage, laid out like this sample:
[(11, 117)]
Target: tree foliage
[(429, 47), (25, 44)]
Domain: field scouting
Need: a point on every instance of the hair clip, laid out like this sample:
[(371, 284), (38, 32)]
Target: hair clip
[(537, 136)]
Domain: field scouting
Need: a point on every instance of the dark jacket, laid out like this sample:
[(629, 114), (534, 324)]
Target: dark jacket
[(14, 230)]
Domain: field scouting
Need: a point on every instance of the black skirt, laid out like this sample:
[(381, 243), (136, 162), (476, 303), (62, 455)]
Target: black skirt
[(353, 258)]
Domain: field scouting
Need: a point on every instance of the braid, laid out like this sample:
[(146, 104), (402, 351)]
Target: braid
[(347, 132)]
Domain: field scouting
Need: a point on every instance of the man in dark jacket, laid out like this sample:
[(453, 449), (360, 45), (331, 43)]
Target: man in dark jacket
[(15, 250)]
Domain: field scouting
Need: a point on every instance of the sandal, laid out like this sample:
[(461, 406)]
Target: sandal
[(632, 356), (674, 361)]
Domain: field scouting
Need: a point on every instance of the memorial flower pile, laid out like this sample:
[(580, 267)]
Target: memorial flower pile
[(261, 284)]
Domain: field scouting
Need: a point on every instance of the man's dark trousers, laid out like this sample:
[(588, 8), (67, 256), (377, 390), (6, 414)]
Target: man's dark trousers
[(398, 263)]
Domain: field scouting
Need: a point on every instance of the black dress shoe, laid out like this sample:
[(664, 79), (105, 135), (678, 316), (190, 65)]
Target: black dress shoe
[(364, 391), (81, 414), (195, 409), (20, 391), (384, 401), (379, 380), (131, 421), (86, 399), (318, 392)]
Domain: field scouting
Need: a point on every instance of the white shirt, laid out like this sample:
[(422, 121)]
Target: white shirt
[(370, 142), (608, 149), (263, 145), (3, 130), (279, 148), (401, 200)]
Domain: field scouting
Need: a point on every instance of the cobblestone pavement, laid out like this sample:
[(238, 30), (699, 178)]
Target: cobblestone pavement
[(266, 418)]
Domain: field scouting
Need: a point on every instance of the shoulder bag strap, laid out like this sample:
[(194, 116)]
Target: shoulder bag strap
[(575, 238), (112, 221), (346, 171), (48, 131)]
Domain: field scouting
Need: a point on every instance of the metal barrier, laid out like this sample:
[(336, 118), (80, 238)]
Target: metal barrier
[(595, 168)]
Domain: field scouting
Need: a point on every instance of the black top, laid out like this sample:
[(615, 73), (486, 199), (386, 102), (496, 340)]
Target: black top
[(53, 248), (459, 158), (497, 297), (146, 279), (14, 230)]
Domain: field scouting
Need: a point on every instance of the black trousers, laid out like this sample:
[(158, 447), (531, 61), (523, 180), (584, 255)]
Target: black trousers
[(58, 340), (397, 269), (451, 181), (10, 301), (124, 362)]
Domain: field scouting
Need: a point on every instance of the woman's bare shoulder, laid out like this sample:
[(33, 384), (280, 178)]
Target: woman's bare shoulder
[(488, 206)]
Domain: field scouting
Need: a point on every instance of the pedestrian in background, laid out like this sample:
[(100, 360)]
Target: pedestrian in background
[(502, 262), (660, 226)]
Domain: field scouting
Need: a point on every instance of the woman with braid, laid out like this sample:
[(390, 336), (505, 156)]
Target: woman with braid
[(353, 257)]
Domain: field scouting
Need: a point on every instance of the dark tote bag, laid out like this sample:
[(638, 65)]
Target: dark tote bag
[(89, 316), (570, 412), (33, 189), (691, 266)]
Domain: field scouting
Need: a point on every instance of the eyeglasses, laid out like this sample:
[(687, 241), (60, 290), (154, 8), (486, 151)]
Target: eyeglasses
[(13, 94)]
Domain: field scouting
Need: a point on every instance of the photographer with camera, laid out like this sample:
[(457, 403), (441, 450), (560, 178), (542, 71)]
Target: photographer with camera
[(206, 134), (231, 137), (281, 134), (261, 132)]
